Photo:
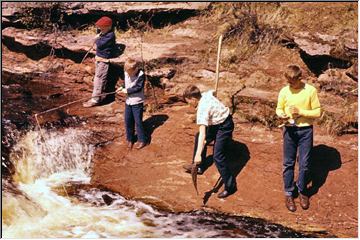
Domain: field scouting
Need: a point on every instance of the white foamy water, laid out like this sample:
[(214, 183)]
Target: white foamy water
[(42, 171), (65, 151), (41, 207)]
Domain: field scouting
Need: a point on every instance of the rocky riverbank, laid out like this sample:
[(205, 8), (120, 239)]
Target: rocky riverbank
[(41, 69)]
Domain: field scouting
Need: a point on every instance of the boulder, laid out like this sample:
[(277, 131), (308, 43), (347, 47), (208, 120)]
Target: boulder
[(120, 10), (337, 81), (184, 32), (126, 7), (210, 76), (162, 73), (77, 46), (352, 72), (5, 21), (257, 79), (343, 47)]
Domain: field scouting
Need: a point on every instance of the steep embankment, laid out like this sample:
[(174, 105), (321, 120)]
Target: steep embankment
[(42, 70)]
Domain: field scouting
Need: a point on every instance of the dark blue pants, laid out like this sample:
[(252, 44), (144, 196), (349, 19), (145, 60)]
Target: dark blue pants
[(221, 134), (296, 138), (134, 118)]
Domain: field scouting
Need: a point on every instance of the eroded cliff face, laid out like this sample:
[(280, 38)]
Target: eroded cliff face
[(42, 68)]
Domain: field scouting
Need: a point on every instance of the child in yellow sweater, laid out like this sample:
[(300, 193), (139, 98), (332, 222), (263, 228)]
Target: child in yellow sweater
[(299, 104)]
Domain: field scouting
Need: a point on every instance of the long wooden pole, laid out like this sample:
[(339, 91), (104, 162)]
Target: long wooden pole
[(218, 64), (92, 46), (73, 102), (145, 72)]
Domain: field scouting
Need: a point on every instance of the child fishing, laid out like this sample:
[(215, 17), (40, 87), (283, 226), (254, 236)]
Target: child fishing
[(134, 104), (105, 48)]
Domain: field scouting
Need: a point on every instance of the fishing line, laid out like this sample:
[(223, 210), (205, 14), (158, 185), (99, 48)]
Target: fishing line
[(56, 108)]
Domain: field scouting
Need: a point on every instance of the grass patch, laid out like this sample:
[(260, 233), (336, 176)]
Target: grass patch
[(253, 28)]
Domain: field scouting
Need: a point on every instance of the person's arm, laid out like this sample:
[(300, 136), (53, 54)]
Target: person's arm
[(105, 40), (202, 119), (122, 88), (139, 85), (201, 144), (315, 110), (281, 105)]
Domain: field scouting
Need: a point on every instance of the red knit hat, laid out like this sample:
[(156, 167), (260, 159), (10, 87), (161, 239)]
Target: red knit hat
[(104, 22)]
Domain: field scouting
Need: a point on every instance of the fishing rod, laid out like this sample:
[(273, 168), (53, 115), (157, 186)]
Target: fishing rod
[(144, 68), (194, 168), (218, 65), (56, 108), (92, 46), (70, 103), (59, 107)]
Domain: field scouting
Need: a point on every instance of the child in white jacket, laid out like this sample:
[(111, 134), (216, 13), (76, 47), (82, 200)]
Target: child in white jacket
[(134, 105)]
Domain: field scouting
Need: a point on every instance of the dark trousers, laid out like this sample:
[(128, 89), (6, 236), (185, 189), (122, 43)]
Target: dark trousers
[(296, 138), (221, 134), (134, 118)]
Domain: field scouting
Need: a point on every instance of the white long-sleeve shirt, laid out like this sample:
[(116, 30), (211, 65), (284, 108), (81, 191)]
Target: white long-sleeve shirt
[(210, 110)]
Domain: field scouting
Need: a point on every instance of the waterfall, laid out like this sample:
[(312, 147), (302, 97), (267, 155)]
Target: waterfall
[(65, 151), (37, 205)]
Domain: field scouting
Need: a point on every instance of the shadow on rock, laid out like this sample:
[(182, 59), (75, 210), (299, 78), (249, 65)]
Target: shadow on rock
[(323, 160), (238, 155), (153, 122), (115, 72), (119, 50)]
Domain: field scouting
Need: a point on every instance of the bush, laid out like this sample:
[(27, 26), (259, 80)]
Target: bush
[(45, 15)]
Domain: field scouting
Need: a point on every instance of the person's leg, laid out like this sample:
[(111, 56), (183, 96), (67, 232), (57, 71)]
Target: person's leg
[(290, 144), (138, 111), (305, 146), (129, 123), (223, 137), (100, 79)]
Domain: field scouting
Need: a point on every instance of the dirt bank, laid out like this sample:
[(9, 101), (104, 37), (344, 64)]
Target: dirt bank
[(155, 175)]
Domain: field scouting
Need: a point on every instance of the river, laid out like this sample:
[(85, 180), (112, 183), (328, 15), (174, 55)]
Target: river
[(50, 196)]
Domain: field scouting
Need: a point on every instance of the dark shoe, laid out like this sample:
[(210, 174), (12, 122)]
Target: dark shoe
[(188, 168), (140, 145), (226, 193), (129, 144), (304, 201), (290, 204), (90, 103)]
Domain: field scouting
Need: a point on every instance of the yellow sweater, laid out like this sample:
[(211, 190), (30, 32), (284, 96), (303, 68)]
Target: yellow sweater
[(305, 99)]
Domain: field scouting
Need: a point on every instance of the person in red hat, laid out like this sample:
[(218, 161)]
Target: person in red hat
[(105, 48)]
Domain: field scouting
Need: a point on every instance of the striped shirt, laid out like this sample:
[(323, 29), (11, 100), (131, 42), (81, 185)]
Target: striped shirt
[(210, 110)]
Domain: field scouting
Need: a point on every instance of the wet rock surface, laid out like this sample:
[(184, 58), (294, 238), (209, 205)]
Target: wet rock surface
[(36, 79)]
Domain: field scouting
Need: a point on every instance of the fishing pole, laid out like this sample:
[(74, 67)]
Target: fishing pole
[(64, 105), (70, 103), (218, 65), (56, 108), (144, 68), (194, 168), (92, 46)]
